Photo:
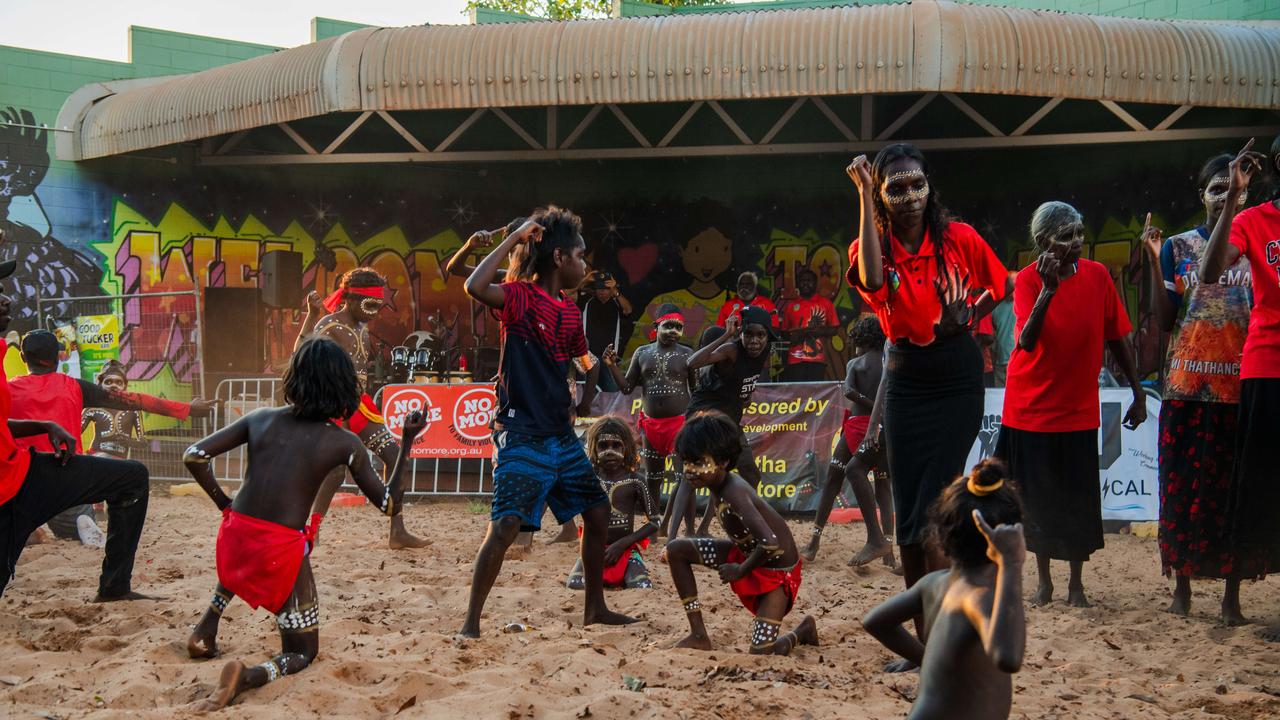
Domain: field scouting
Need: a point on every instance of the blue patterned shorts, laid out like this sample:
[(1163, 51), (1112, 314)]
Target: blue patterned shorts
[(531, 473)]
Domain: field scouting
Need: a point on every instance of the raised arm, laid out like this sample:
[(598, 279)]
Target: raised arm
[(632, 379), (1220, 253), (870, 259), (314, 311), (722, 349), (198, 458), (98, 396), (1002, 626), (886, 623), (384, 497), (1162, 306), (481, 284), (479, 239), (1047, 267)]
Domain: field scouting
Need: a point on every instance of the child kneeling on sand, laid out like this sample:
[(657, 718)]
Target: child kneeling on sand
[(759, 560), (264, 540), (973, 617), (613, 452)]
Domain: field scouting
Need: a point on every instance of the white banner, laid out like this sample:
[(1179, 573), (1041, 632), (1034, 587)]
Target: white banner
[(1126, 458)]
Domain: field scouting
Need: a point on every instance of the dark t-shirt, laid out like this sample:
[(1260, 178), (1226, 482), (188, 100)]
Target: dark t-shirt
[(729, 394), (541, 336), (603, 322)]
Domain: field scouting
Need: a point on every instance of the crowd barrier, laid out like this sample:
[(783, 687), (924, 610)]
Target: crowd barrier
[(793, 428)]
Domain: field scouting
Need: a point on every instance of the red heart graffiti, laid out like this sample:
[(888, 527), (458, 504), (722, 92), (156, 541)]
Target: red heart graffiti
[(638, 261)]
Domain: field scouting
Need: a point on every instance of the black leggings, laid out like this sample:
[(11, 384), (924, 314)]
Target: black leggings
[(49, 488)]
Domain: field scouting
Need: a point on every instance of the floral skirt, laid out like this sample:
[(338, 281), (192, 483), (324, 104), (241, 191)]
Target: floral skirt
[(1197, 447)]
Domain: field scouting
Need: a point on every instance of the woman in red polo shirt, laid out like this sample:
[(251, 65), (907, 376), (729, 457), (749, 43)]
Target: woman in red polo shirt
[(1254, 514), (914, 266), (1066, 308)]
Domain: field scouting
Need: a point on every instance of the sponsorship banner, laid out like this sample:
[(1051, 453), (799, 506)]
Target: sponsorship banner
[(793, 429), (1126, 458), (99, 339), (457, 418), (69, 355)]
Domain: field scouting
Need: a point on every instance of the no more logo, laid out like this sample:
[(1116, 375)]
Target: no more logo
[(406, 401), (473, 412)]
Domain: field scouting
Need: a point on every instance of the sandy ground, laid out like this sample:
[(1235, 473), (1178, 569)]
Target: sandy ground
[(388, 617)]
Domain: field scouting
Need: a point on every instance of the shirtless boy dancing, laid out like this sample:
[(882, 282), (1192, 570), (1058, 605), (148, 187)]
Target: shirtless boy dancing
[(361, 295), (974, 624), (264, 539), (662, 370), (611, 447), (759, 560)]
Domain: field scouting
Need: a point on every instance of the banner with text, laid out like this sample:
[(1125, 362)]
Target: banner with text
[(1126, 458), (457, 418)]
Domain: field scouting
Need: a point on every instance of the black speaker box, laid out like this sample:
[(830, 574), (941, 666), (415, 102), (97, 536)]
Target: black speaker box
[(234, 330), (280, 275)]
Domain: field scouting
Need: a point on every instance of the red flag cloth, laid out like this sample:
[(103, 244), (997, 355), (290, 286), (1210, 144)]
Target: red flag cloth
[(259, 560), (762, 581)]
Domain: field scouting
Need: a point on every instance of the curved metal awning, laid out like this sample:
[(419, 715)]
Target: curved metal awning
[(923, 46)]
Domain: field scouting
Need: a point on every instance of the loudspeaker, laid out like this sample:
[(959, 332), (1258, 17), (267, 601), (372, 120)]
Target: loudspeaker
[(234, 330), (280, 276)]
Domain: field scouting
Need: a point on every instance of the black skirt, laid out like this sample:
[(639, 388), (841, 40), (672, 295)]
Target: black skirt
[(932, 412), (1057, 476), (1255, 492)]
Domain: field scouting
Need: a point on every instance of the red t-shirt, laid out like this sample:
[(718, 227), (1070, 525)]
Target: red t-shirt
[(734, 306), (913, 308), (799, 313), (14, 461), (1256, 232), (1054, 387)]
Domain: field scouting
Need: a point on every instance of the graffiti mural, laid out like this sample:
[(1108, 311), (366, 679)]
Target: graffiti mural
[(47, 267)]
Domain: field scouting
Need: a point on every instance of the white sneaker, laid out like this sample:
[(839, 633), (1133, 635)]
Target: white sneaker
[(90, 533)]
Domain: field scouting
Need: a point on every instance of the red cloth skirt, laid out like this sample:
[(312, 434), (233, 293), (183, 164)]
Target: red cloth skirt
[(855, 429), (763, 581), (661, 432), (259, 560)]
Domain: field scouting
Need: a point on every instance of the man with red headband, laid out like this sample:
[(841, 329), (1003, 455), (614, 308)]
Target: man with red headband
[(661, 370), (361, 295)]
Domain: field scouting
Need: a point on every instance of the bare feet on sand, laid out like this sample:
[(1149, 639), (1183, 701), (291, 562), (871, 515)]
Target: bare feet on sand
[(606, 617), (870, 553), (1181, 605), (693, 642), (810, 551), (202, 644), (228, 687), (1232, 617), (1076, 598), (1043, 596), (402, 539), (807, 631), (901, 665), (568, 533), (100, 598)]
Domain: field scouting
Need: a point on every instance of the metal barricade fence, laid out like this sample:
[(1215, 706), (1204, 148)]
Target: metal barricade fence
[(429, 477), (157, 339)]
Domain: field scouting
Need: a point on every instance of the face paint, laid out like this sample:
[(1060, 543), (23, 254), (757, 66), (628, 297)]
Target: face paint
[(905, 196), (671, 330), (609, 448), (114, 382), (701, 473), (1216, 192)]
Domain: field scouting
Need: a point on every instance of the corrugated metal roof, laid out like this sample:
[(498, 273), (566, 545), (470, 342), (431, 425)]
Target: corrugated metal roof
[(926, 45)]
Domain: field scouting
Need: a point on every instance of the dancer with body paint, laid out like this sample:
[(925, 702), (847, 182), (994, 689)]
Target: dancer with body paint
[(265, 539), (661, 369)]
